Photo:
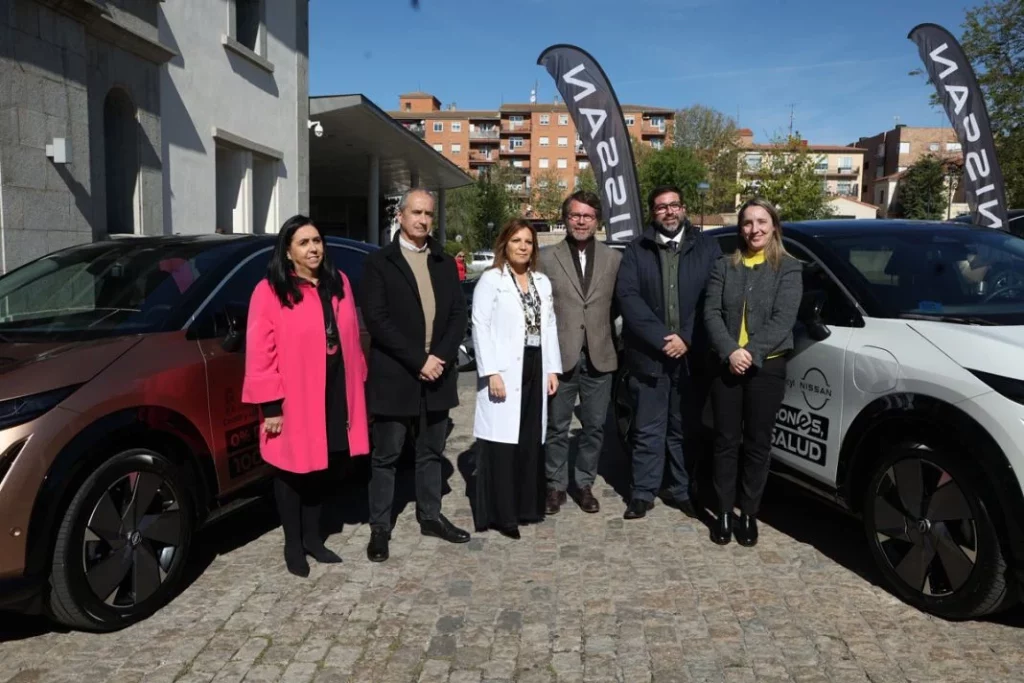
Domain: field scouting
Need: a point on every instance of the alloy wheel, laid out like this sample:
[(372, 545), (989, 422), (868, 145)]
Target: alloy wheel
[(132, 537), (925, 527)]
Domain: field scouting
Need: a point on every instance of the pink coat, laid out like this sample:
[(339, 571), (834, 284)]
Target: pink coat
[(286, 357)]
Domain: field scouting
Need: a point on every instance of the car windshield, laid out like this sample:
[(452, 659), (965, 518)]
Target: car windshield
[(103, 289), (961, 275)]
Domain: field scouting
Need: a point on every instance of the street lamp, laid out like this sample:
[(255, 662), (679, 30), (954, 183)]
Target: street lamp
[(702, 190)]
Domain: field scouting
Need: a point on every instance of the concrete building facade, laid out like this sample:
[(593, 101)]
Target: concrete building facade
[(236, 105), (80, 123)]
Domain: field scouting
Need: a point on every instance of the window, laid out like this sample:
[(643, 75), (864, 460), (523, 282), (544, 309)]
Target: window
[(515, 143), (233, 296), (438, 126), (439, 149), (456, 148), (933, 147), (845, 163), (838, 310), (408, 106), (246, 191), (544, 142), (630, 119), (247, 24), (563, 119), (563, 183), (542, 163), (545, 119), (657, 143), (563, 142), (456, 127), (904, 148), (844, 188), (753, 162), (953, 147), (121, 143), (563, 163), (517, 164), (584, 165)]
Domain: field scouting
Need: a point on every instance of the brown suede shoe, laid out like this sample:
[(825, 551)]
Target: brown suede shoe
[(554, 501), (587, 501)]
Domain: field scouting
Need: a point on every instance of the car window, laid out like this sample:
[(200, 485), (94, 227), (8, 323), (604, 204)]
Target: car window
[(350, 261), (727, 242), (233, 295), (839, 310)]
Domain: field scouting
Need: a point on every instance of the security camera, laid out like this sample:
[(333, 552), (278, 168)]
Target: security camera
[(318, 130)]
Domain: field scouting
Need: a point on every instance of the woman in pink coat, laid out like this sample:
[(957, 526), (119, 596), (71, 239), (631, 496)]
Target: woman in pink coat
[(304, 367)]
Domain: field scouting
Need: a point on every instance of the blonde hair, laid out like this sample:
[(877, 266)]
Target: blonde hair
[(774, 251)]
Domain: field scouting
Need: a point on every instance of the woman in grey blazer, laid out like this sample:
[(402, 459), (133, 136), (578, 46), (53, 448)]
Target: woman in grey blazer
[(752, 300)]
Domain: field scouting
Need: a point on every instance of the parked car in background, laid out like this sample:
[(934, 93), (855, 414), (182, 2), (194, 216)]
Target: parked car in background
[(479, 261), (1015, 217), (905, 401), (122, 429)]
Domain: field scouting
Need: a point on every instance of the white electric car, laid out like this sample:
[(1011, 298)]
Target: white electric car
[(905, 400)]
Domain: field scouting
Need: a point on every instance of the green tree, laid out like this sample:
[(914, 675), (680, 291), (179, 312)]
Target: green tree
[(670, 166), (922, 191), (586, 181), (462, 212), (787, 179), (714, 139), (498, 203), (546, 196)]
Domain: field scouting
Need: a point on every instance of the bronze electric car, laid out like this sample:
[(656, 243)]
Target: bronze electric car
[(122, 428)]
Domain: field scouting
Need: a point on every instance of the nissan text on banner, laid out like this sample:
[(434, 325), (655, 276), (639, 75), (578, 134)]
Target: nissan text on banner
[(597, 116), (954, 79)]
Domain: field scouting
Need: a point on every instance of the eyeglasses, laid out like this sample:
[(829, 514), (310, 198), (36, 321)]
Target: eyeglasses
[(582, 217), (662, 208)]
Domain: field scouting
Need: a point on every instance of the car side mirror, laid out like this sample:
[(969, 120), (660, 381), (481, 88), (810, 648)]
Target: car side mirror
[(236, 317), (811, 306)]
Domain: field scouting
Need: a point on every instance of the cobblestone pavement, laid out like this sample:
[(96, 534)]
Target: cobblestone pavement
[(579, 598)]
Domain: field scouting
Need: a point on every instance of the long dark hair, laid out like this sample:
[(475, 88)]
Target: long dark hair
[(281, 271)]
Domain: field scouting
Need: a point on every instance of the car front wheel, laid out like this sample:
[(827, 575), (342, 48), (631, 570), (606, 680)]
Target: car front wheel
[(122, 543), (932, 536)]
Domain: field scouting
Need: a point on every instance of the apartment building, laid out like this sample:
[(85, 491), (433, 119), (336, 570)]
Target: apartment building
[(841, 168), (892, 152), (236, 104), (539, 139)]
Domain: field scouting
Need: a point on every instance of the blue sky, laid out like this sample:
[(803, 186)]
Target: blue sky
[(842, 65)]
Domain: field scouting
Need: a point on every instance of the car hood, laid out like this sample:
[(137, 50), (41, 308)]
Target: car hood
[(998, 350), (32, 368)]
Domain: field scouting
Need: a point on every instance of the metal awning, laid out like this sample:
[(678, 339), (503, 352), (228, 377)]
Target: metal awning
[(357, 134)]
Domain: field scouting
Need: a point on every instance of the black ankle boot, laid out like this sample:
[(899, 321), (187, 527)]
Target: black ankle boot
[(721, 529), (746, 530), (289, 509)]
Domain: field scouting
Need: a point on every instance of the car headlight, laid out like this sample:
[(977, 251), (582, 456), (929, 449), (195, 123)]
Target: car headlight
[(1009, 387), (23, 409)]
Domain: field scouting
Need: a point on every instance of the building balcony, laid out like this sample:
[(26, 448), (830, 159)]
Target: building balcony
[(416, 129), (848, 172), (516, 151), (649, 129), (487, 134), (509, 127), (476, 157)]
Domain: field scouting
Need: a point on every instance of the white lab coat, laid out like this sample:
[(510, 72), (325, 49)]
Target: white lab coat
[(499, 336)]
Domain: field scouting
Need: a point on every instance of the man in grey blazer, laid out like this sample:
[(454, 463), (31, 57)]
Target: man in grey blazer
[(582, 271)]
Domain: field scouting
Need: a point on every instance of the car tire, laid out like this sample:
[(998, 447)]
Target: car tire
[(931, 533), (114, 562)]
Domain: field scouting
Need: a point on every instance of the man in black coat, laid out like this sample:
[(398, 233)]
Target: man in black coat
[(415, 312), (660, 288)]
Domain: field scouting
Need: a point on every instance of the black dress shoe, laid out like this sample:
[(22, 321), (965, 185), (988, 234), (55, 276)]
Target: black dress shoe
[(443, 529), (587, 501), (684, 505), (721, 529), (509, 531), (638, 508), (377, 549), (746, 531)]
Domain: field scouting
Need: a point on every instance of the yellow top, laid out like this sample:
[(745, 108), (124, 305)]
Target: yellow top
[(750, 262)]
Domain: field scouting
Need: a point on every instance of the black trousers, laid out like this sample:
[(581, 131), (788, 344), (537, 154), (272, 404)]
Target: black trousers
[(389, 433), (299, 499), (744, 408), (510, 480)]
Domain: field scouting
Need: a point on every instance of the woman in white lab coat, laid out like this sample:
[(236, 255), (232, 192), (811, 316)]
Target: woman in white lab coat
[(518, 363)]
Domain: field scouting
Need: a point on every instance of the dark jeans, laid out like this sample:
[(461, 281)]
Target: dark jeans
[(389, 434), (745, 407), (660, 406), (594, 390)]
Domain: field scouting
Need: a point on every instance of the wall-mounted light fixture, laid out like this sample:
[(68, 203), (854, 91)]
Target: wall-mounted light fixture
[(59, 150)]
